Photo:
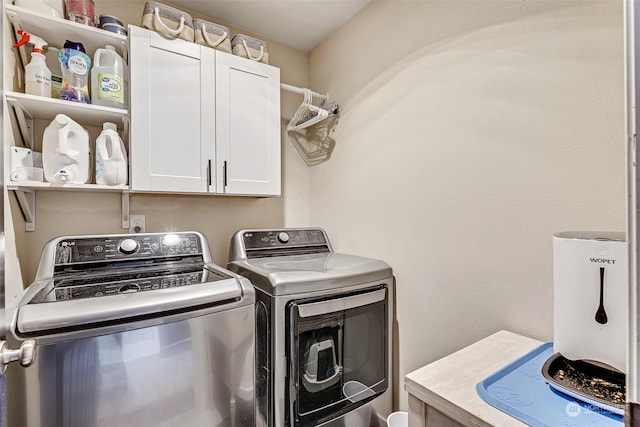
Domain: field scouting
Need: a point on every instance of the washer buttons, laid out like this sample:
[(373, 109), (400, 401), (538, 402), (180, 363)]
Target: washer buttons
[(128, 246)]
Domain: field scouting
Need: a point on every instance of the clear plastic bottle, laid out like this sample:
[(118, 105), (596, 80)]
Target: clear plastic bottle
[(108, 78), (75, 65), (37, 75), (56, 73)]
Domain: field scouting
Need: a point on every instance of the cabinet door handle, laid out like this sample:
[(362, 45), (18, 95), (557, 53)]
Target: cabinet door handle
[(224, 174), (209, 172)]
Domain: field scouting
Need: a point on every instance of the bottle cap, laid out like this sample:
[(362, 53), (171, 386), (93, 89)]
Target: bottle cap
[(74, 45), (109, 126)]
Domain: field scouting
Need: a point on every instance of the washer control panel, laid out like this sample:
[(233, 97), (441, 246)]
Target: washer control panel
[(132, 283), (128, 246)]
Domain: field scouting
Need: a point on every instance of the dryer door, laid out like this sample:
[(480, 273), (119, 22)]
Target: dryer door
[(338, 352)]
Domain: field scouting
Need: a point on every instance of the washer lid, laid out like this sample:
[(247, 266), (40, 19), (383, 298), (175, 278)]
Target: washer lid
[(73, 314), (286, 275)]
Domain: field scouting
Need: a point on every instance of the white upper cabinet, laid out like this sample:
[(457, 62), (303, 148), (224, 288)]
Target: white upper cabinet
[(172, 106), (248, 126), (202, 121)]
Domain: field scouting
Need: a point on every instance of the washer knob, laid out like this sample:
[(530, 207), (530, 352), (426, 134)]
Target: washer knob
[(283, 237), (128, 246)]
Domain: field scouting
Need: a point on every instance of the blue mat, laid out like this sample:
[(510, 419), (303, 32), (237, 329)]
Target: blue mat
[(520, 390)]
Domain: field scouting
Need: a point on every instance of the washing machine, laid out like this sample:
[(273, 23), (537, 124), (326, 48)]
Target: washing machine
[(323, 329), (133, 330)]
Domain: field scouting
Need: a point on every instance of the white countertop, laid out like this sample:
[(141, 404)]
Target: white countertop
[(449, 384)]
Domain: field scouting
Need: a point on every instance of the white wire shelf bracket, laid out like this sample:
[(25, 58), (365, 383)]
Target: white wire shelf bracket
[(25, 192)]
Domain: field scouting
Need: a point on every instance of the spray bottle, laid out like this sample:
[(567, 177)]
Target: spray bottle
[(37, 75)]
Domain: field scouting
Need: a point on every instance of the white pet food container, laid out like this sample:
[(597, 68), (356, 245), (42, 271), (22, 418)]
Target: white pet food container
[(590, 296)]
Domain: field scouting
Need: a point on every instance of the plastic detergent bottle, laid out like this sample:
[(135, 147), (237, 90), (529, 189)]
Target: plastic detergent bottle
[(56, 74), (75, 66), (37, 75), (111, 157), (66, 152), (107, 78)]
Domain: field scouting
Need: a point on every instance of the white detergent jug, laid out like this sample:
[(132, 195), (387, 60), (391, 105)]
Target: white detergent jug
[(108, 78), (111, 157), (66, 153)]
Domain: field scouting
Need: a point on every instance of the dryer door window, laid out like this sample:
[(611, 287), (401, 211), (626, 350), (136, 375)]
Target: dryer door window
[(338, 352)]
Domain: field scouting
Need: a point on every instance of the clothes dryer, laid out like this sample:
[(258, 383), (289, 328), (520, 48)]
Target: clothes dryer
[(323, 329)]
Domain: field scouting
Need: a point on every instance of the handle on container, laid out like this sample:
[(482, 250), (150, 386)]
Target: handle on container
[(167, 29), (246, 48), (208, 40), (63, 150), (106, 149), (63, 140), (96, 58)]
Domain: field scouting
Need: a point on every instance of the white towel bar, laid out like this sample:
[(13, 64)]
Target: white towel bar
[(295, 89)]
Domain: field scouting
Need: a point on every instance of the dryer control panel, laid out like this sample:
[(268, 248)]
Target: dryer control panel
[(260, 239)]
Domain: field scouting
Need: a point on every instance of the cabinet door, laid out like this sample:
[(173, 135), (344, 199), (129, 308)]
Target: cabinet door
[(172, 109), (248, 126)]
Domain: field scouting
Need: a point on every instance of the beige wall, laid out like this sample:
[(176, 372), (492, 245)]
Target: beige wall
[(470, 132), (65, 213)]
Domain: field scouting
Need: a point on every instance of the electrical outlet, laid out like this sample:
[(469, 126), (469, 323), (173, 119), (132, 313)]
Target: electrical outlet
[(136, 224)]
